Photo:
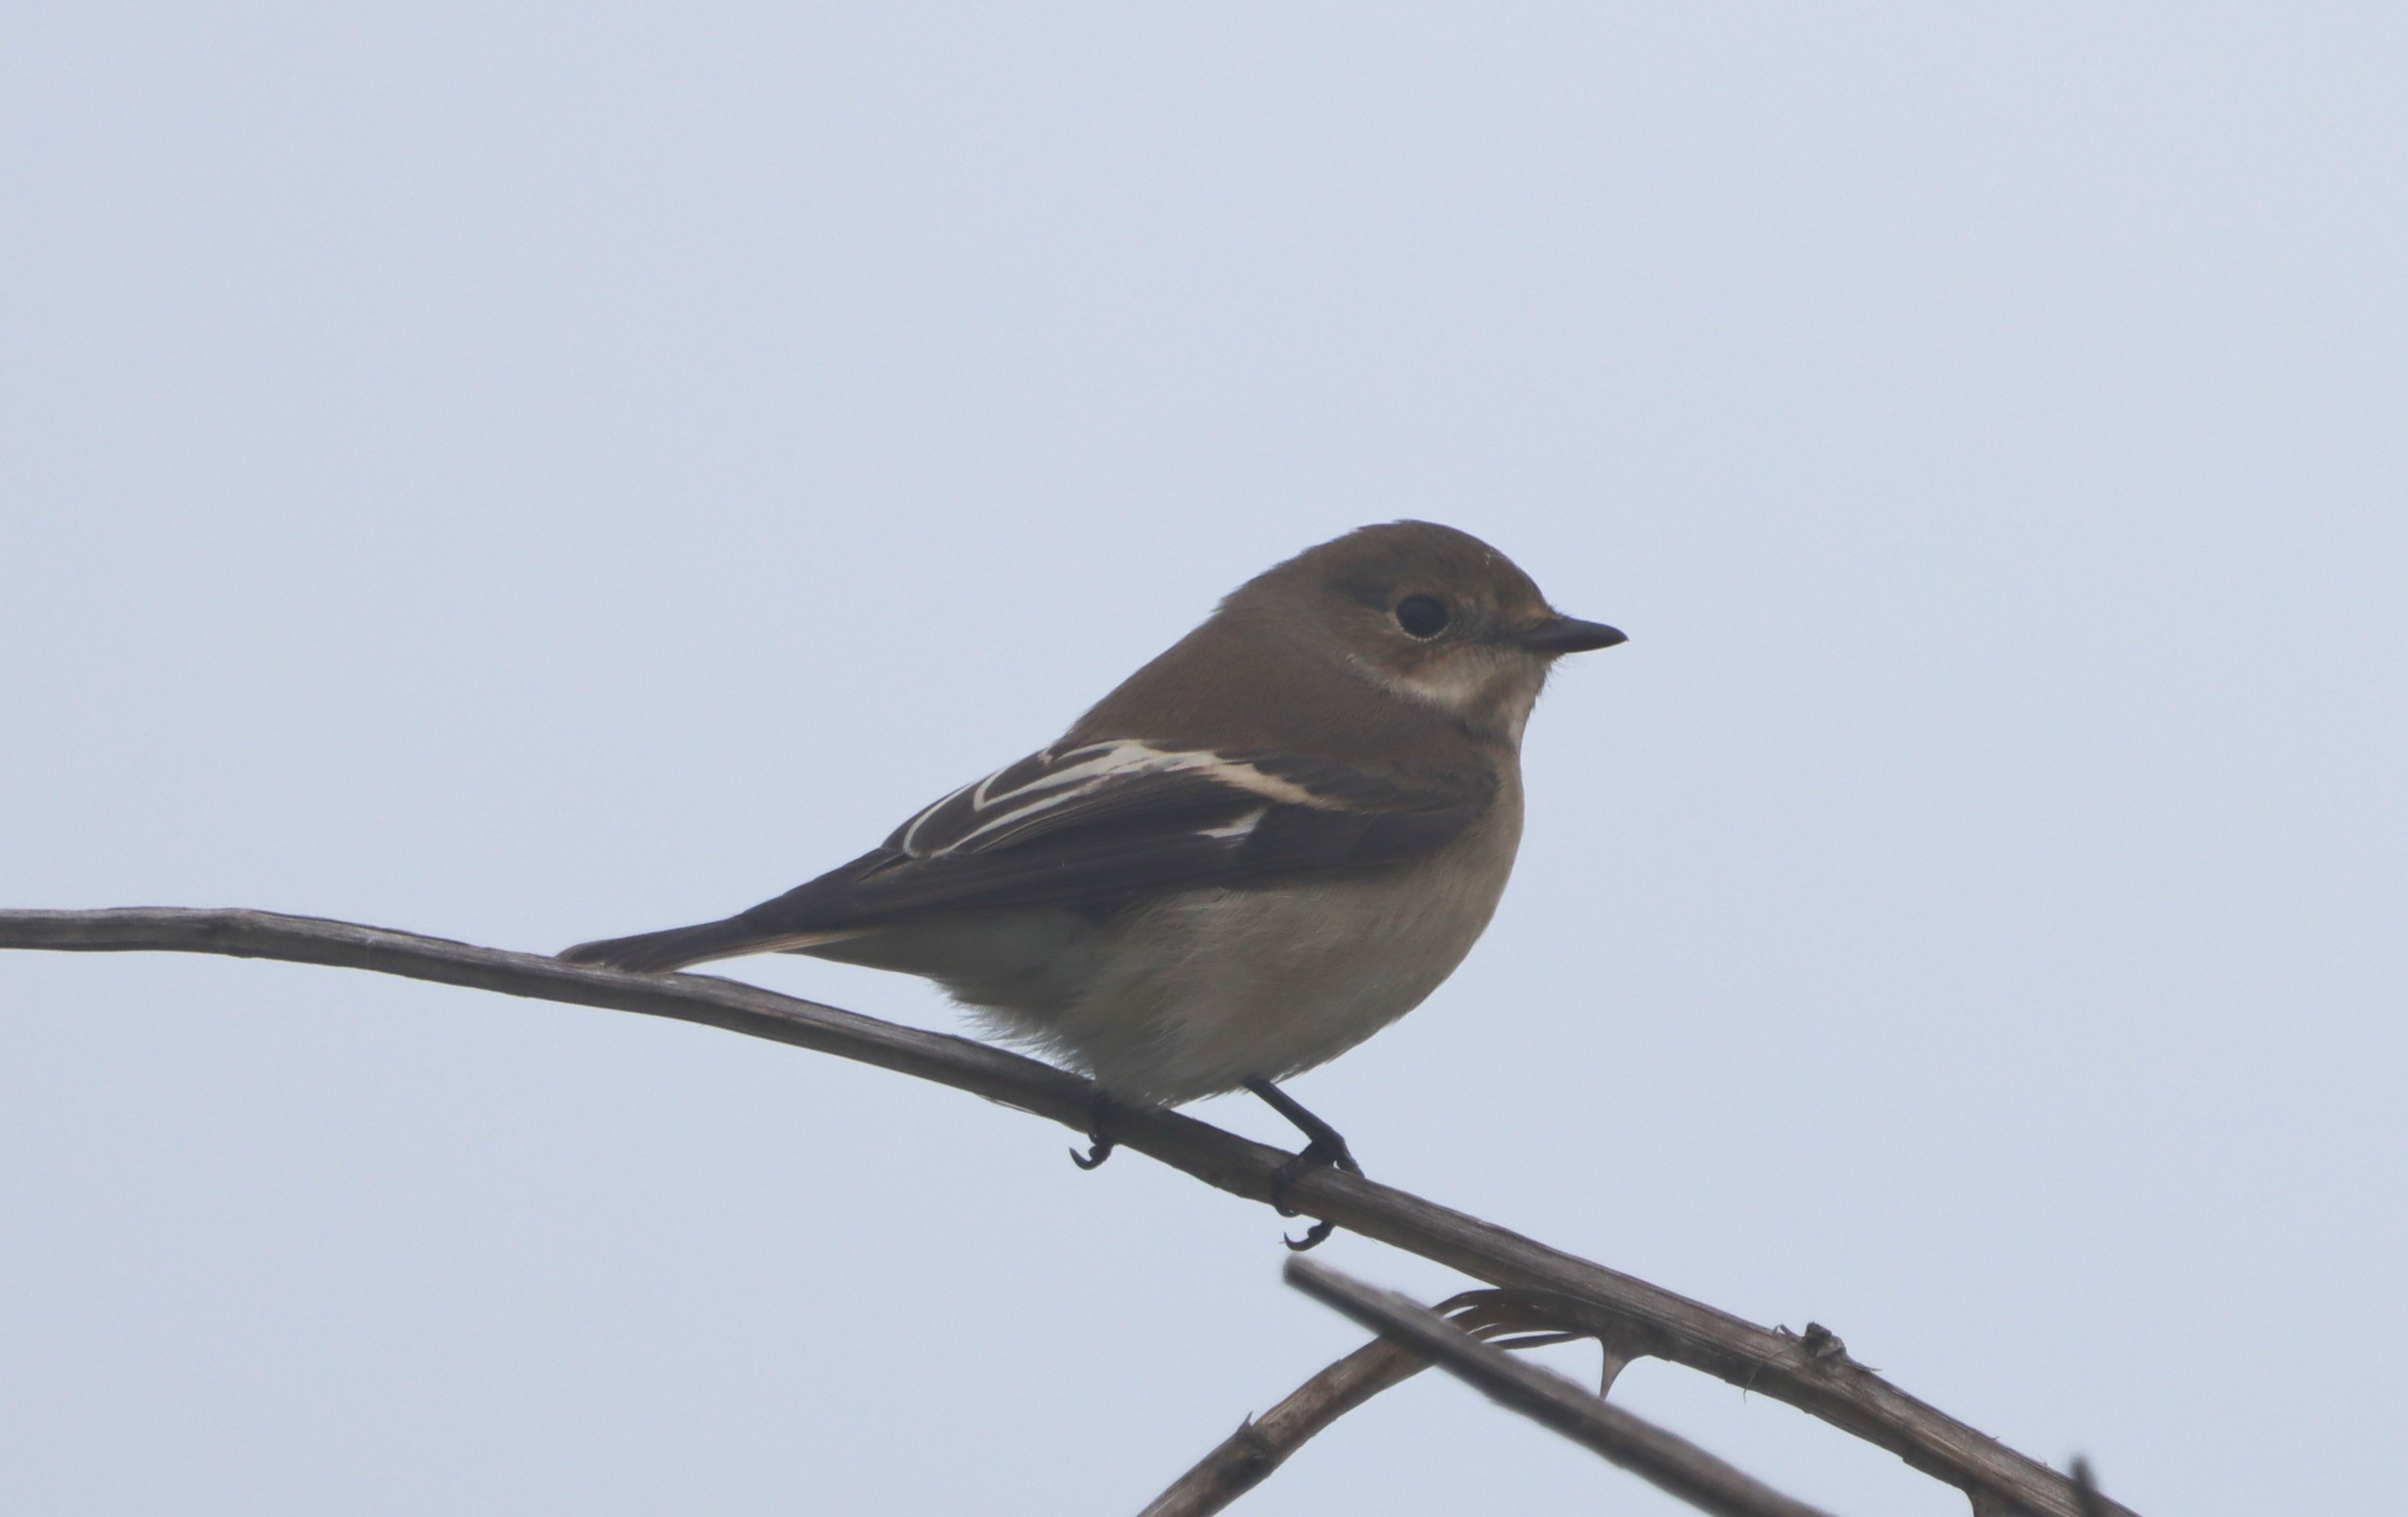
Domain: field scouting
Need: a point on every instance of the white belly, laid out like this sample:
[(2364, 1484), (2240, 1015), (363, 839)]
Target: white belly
[(1189, 995)]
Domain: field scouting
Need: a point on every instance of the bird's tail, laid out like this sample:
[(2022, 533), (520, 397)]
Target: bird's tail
[(653, 953)]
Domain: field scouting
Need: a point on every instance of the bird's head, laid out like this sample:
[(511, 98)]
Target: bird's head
[(1427, 613)]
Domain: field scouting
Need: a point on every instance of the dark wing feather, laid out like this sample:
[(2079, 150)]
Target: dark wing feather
[(1096, 825), (1107, 822)]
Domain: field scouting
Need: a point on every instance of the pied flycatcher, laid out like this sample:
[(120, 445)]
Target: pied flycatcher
[(1267, 844)]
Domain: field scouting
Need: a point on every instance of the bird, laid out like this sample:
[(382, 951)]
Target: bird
[(1267, 843)]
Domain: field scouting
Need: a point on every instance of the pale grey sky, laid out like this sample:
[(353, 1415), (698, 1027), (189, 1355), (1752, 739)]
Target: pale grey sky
[(527, 472)]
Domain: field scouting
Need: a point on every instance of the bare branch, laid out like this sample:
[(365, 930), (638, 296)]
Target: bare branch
[(1246, 1457), (1662, 1458), (1814, 1376)]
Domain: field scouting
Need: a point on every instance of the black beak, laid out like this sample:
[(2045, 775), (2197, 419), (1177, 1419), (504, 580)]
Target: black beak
[(1566, 634)]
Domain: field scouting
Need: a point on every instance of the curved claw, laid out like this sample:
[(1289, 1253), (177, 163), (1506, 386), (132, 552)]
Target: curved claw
[(1326, 1146), (1314, 1237), (1318, 1233), (1099, 1147)]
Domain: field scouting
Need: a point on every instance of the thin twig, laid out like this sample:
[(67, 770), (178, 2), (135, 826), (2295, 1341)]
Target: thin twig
[(1662, 1458), (1821, 1382), (1246, 1457)]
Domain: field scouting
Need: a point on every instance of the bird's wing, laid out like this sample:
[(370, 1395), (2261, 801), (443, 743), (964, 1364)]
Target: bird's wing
[(1096, 825), (1104, 822)]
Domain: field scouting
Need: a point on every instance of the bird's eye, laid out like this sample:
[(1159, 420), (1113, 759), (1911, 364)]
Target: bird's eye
[(1422, 615)]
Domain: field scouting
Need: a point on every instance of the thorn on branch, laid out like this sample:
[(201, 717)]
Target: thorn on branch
[(2086, 1490), (1662, 1458), (1509, 1319)]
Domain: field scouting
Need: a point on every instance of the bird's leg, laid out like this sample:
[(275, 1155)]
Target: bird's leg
[(1099, 1147), (1325, 1146), (1322, 1146)]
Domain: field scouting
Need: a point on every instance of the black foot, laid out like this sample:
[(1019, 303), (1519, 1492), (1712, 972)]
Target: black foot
[(1324, 1146), (1099, 1147), (1314, 1237)]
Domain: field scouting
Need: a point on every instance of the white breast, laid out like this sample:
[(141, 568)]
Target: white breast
[(1195, 993)]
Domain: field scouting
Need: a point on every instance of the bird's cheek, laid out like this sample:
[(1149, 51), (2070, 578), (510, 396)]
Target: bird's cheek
[(1484, 686), (1451, 682)]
